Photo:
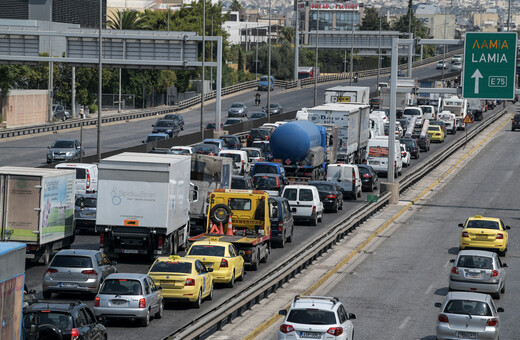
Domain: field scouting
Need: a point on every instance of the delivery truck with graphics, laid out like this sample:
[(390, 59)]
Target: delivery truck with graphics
[(143, 204), (37, 208)]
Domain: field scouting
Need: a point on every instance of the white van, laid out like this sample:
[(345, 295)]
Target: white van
[(414, 111), (305, 202), (86, 176), (449, 120), (428, 112), (377, 155), (347, 177), (240, 161)]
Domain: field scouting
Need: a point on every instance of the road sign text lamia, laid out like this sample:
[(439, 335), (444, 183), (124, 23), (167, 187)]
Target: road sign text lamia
[(491, 45)]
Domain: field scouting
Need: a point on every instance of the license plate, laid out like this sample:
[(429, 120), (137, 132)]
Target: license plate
[(167, 283), (68, 284), (473, 275), (119, 302), (310, 335), (130, 251), (467, 335), (481, 236)]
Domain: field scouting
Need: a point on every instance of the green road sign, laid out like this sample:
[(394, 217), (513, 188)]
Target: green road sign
[(489, 65)]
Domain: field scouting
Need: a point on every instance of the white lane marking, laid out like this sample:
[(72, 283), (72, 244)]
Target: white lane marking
[(447, 264), (428, 289), (403, 325)]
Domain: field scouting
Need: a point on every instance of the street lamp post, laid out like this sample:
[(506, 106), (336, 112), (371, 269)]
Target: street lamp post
[(100, 81), (217, 124), (379, 55), (352, 51), (269, 69), (296, 40), (316, 59)]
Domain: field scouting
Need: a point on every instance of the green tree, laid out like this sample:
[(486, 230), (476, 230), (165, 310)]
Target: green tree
[(236, 6), (371, 21), (125, 20), (417, 27), (287, 34)]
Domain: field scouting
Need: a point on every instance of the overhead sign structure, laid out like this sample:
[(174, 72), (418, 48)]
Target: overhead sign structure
[(489, 65)]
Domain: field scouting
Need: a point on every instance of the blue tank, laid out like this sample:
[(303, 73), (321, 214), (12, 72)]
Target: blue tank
[(293, 140)]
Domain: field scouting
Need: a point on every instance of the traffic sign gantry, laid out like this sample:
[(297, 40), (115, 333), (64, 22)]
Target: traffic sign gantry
[(489, 65)]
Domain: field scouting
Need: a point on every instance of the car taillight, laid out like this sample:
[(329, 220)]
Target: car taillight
[(367, 176), (500, 236), (248, 137), (160, 241), (494, 273), (88, 179), (74, 334), (190, 282), (313, 208), (223, 263), (280, 225), (286, 328), (51, 270), (89, 272), (443, 318), (336, 331), (455, 270), (331, 197), (403, 154), (492, 322), (96, 302), (266, 137), (102, 239), (142, 303)]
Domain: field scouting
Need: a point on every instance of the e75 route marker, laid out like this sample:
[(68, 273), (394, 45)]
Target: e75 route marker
[(489, 65)]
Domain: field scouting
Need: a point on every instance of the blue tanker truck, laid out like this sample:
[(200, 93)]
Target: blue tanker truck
[(302, 148)]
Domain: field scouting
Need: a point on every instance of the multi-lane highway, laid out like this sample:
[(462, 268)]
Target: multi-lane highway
[(31, 150), (183, 314)]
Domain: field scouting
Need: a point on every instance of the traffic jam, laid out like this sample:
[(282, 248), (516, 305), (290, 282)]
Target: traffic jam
[(204, 215)]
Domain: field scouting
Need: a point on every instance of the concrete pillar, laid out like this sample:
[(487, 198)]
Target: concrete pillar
[(393, 188)]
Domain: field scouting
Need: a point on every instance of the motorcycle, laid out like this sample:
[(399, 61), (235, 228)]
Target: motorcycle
[(257, 101)]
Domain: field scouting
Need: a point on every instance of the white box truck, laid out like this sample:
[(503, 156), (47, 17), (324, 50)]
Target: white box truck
[(353, 127), (457, 106), (377, 155), (348, 94), (143, 203), (37, 208)]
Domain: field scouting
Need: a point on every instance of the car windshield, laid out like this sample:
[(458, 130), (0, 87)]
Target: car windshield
[(324, 187), (274, 106), (258, 115), (239, 204), (164, 123), (172, 117), (71, 261), (266, 183), (207, 250), (238, 183), (363, 171), (121, 287), (312, 316), (239, 105), (232, 121), (253, 153), (203, 149), (180, 151), (265, 169), (154, 138), (427, 109), (467, 307), (229, 140), (171, 267), (264, 146), (263, 78), (89, 202), (473, 261), (235, 157), (63, 144), (434, 128), (259, 133), (217, 144), (483, 224), (411, 112), (408, 143), (62, 321)]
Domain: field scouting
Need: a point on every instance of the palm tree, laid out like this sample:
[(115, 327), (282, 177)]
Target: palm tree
[(125, 20), (236, 6), (287, 33)]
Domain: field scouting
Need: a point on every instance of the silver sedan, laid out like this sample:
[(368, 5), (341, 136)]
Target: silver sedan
[(478, 271), (465, 315)]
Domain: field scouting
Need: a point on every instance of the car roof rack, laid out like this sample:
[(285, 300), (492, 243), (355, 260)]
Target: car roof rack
[(332, 299)]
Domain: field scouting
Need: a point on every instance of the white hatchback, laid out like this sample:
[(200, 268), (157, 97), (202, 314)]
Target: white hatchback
[(305, 202), (316, 317)]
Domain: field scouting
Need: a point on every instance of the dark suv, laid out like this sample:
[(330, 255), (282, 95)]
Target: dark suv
[(258, 134), (282, 222), (61, 320), (515, 122)]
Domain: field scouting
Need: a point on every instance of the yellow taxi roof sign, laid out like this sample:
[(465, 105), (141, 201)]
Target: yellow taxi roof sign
[(214, 238), (174, 257), (477, 216)]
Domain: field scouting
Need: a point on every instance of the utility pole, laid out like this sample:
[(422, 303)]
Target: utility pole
[(51, 66), (269, 69), (379, 54), (203, 57), (100, 81), (316, 59), (296, 40), (444, 47), (121, 27), (352, 52)]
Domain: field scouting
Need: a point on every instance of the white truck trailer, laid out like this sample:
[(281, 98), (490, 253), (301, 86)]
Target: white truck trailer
[(353, 127), (143, 203), (348, 94), (37, 208), (457, 106), (404, 96)]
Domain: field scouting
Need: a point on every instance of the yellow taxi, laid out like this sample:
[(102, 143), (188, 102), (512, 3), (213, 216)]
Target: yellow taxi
[(183, 279), (222, 257), (484, 232), (435, 133)]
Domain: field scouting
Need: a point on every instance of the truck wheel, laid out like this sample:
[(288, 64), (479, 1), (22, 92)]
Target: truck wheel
[(255, 264), (219, 213), (46, 256)]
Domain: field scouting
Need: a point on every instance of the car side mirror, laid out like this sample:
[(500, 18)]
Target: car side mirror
[(452, 261), (210, 270), (241, 253), (48, 147), (32, 291), (102, 320), (461, 225), (282, 312), (159, 287), (500, 309), (508, 227), (438, 304), (351, 316), (504, 265), (114, 263)]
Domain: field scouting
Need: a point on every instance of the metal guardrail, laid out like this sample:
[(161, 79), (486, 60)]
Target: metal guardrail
[(214, 319), (22, 131)]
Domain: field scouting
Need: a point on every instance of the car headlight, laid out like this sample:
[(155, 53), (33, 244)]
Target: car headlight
[(168, 131), (69, 153)]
